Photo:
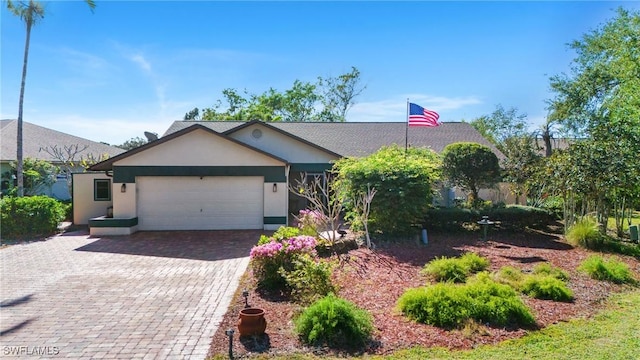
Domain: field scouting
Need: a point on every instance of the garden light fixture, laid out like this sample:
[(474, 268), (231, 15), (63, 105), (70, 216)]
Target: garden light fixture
[(229, 333), (245, 293)]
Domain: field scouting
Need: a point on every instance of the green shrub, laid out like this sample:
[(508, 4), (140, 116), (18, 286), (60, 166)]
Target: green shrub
[(546, 287), (509, 275), (446, 269), (610, 270), (514, 217), (30, 216), (335, 322), (283, 233), (455, 269), (554, 204), (497, 303), (474, 262), (68, 210), (546, 282), (548, 269), (309, 280), (451, 305), (520, 216), (616, 246), (404, 180), (584, 233)]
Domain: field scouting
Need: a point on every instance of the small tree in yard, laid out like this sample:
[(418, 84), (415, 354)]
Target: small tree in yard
[(470, 166), (362, 209), (321, 195), (403, 181), (68, 157)]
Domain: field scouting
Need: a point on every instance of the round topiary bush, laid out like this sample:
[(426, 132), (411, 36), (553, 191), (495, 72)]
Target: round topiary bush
[(334, 322)]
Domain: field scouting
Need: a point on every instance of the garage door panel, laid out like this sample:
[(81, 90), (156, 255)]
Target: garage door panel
[(192, 203)]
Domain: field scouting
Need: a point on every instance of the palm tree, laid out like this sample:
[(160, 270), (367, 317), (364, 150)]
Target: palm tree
[(31, 13)]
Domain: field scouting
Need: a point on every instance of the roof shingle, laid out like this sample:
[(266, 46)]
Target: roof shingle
[(362, 138), (37, 137)]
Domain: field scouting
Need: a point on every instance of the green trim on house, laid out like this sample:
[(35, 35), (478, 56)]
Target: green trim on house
[(311, 167), (275, 220), (103, 222), (127, 174)]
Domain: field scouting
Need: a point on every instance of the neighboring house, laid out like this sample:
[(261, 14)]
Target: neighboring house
[(231, 175), (35, 139)]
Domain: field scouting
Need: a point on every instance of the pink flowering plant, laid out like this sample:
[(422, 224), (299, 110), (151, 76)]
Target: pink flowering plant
[(270, 260), (310, 222)]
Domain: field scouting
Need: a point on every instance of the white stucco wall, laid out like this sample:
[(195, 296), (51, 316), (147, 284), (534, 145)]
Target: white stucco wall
[(282, 146), (124, 203), (199, 148), (84, 205), (502, 193), (275, 203)]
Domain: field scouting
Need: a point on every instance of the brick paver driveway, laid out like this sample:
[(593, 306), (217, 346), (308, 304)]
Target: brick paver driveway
[(150, 295)]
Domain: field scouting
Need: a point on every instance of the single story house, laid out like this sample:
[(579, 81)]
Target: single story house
[(203, 175), (36, 140)]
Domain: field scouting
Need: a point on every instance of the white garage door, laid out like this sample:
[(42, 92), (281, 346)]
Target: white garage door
[(194, 203)]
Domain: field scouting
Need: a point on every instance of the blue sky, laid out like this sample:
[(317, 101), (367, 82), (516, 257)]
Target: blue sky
[(132, 67)]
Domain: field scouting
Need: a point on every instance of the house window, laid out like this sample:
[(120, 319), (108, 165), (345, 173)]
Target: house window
[(102, 190)]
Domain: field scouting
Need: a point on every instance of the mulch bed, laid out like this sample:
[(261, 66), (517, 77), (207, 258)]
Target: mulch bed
[(375, 279)]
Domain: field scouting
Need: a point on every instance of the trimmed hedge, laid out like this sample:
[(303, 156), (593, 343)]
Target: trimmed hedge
[(30, 216), (510, 217)]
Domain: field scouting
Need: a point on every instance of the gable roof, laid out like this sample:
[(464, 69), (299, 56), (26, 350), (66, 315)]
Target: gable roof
[(278, 130), (360, 138), (35, 137), (108, 164)]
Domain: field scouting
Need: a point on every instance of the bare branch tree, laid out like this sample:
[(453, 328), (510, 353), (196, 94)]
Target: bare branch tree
[(322, 198), (67, 156), (362, 206)]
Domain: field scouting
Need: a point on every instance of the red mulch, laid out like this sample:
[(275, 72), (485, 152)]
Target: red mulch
[(374, 280)]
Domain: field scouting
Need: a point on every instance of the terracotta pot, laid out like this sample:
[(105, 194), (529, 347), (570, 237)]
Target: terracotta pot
[(252, 322)]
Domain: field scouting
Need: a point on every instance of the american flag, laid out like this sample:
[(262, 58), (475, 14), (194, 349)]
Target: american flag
[(419, 116)]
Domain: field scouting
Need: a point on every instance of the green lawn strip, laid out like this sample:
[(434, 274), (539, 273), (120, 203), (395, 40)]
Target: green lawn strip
[(635, 220), (613, 333)]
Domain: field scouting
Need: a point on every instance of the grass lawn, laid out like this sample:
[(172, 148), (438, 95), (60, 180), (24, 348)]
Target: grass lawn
[(635, 220), (612, 334)]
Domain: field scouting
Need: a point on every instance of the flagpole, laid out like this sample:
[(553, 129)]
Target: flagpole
[(406, 130)]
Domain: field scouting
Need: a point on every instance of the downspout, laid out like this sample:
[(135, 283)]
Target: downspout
[(287, 169)]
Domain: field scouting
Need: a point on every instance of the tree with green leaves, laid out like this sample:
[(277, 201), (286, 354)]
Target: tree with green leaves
[(501, 125), (521, 162), (38, 175), (339, 93), (132, 143), (404, 183), (471, 167), (507, 130), (599, 102), (31, 12), (329, 99)]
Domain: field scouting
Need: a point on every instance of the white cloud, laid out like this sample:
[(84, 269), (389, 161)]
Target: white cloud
[(395, 109), (103, 129), (141, 61)]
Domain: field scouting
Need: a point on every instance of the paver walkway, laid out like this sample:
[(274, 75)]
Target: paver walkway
[(152, 295)]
